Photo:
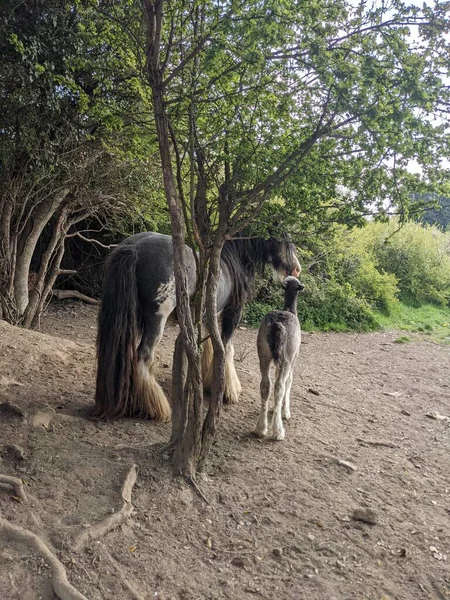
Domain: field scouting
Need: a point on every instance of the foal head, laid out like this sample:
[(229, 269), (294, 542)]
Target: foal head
[(283, 259)]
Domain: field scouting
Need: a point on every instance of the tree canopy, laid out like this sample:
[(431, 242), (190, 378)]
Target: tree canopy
[(319, 106)]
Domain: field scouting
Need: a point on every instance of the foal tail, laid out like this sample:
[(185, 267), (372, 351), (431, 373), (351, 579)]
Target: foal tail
[(276, 336), (119, 333)]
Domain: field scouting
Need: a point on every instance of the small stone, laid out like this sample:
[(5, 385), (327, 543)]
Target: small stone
[(313, 391), (405, 412), (15, 451), (320, 523), (165, 457), (238, 561), (43, 418), (277, 552), (366, 515)]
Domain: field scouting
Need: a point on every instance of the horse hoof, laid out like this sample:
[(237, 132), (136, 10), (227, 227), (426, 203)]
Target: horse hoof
[(231, 399)]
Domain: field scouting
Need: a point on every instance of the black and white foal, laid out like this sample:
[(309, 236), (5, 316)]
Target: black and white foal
[(278, 342)]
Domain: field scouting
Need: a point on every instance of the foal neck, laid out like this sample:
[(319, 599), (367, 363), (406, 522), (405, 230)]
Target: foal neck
[(290, 300)]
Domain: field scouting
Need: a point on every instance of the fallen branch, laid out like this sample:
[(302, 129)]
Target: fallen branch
[(61, 586), (17, 484), (113, 521), (66, 294), (376, 443)]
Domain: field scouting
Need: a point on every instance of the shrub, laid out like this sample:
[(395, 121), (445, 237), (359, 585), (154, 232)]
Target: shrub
[(418, 256)]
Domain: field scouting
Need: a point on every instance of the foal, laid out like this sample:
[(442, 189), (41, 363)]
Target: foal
[(279, 338)]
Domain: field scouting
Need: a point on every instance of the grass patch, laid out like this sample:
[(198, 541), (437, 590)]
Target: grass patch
[(427, 320), (403, 339)]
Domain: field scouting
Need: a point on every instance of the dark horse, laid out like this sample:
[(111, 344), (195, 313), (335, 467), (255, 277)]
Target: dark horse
[(138, 297)]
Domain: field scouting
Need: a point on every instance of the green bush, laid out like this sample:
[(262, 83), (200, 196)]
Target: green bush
[(354, 280), (331, 306), (255, 311), (324, 305), (418, 255)]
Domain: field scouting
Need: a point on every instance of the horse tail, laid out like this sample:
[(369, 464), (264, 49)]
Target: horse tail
[(276, 337), (119, 332)]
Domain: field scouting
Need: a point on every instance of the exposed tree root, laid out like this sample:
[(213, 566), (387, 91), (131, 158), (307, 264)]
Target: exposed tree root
[(136, 595), (17, 484), (61, 586), (167, 448), (66, 294), (113, 521), (194, 484)]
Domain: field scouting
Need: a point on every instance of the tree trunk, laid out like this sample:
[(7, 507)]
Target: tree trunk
[(48, 270), (27, 245), (188, 450)]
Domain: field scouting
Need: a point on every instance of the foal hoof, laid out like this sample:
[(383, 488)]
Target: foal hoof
[(260, 433), (278, 436)]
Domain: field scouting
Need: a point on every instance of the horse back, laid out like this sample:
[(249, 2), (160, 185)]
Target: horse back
[(155, 270)]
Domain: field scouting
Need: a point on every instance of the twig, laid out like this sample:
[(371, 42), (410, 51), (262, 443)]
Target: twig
[(194, 484), (61, 586), (17, 484), (92, 240), (376, 443), (114, 520)]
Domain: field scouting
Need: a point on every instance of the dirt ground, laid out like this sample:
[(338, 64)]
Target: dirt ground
[(280, 523)]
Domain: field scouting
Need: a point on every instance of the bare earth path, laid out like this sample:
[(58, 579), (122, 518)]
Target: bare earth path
[(280, 524)]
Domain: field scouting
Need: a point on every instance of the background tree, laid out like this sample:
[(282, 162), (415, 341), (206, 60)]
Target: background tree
[(75, 143)]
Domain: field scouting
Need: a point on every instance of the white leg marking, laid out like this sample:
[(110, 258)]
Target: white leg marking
[(232, 384), (277, 423), (262, 422), (287, 395)]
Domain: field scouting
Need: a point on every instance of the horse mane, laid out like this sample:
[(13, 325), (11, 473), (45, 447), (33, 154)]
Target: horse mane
[(244, 256)]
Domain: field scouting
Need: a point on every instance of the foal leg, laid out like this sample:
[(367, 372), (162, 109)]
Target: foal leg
[(287, 395), (149, 400), (265, 387), (280, 386)]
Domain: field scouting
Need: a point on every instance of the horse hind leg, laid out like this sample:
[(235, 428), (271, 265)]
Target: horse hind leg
[(149, 400), (265, 388), (233, 386), (279, 391), (232, 389)]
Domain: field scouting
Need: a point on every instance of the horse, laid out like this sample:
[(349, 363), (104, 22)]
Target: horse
[(139, 296)]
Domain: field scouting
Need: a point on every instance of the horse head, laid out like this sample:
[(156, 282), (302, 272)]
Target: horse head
[(283, 259)]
